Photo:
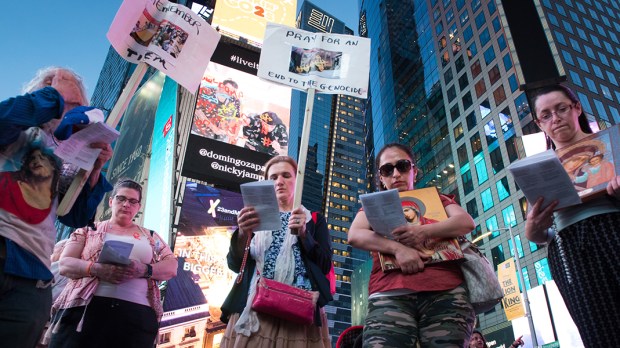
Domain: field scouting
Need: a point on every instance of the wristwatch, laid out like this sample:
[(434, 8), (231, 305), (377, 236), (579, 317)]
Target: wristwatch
[(149, 271)]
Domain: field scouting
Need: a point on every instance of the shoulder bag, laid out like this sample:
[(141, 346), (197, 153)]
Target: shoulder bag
[(281, 300), (484, 288)]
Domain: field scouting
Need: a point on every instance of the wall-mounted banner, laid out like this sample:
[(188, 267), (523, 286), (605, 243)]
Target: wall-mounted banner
[(222, 164), (329, 63), (167, 36), (248, 18), (507, 275)]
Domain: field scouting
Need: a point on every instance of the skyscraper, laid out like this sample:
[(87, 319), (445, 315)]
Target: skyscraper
[(335, 173), (445, 78)]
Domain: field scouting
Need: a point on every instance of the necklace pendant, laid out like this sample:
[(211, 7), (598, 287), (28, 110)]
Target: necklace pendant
[(136, 235)]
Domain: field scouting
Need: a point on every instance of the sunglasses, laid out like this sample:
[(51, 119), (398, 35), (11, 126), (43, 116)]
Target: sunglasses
[(403, 166)]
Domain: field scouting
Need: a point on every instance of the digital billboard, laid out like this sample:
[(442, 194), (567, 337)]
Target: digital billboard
[(240, 109), (158, 199), (205, 206), (248, 18)]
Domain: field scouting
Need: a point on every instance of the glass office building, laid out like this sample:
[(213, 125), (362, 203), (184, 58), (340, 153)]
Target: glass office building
[(335, 167), (444, 80)]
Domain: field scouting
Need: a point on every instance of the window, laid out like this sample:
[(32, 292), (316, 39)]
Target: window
[(501, 42), (472, 50), (489, 55), (492, 227), (497, 254), (459, 63), (575, 78), (505, 120), (507, 62), (494, 74), (591, 85), (454, 112), (533, 247), (458, 132), (511, 149), (475, 69), (523, 107), (164, 338), (464, 18), (519, 246), (480, 88), (449, 16), (463, 82), (491, 7), (499, 95), (575, 45), (598, 72), (451, 93), (472, 208), (462, 154), (467, 101), (471, 120), (481, 169), (497, 162), (485, 108), (496, 24), (568, 58), (503, 191), (487, 199), (560, 38), (447, 76), (553, 19), (512, 81), (508, 214), (490, 132), (480, 20), (468, 183), (476, 144), (484, 37), (467, 33), (583, 65)]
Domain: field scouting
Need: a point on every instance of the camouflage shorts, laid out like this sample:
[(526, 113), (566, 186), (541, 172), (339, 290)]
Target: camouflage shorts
[(437, 319)]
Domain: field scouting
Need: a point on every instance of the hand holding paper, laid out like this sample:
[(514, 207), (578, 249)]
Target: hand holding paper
[(262, 196), (383, 211)]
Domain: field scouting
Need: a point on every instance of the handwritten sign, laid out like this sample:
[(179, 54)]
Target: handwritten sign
[(165, 35), (329, 63)]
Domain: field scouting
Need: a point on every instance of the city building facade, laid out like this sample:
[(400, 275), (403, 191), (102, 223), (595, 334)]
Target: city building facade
[(445, 80)]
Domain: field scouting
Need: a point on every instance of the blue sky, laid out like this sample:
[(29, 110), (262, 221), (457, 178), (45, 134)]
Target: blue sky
[(72, 33)]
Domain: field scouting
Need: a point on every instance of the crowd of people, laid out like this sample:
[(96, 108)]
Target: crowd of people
[(86, 301)]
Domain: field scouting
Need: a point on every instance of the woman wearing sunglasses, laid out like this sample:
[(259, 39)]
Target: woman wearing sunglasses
[(112, 305), (425, 304)]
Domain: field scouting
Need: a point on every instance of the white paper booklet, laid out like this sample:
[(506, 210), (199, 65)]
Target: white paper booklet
[(262, 196), (383, 211), (76, 150), (115, 252), (542, 175)]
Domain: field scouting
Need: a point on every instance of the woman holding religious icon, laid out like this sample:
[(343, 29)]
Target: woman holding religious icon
[(108, 304), (582, 237), (298, 254), (416, 304)]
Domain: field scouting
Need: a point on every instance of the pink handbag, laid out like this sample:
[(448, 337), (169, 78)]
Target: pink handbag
[(284, 301)]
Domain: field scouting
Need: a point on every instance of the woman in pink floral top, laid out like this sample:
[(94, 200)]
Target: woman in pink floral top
[(112, 305)]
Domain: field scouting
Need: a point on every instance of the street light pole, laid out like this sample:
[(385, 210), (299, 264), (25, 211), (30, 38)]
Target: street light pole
[(530, 320)]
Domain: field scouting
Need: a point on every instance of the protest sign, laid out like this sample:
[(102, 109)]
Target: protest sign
[(165, 35), (329, 63)]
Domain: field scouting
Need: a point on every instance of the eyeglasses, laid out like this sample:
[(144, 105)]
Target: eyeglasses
[(403, 166), (123, 199), (562, 111)]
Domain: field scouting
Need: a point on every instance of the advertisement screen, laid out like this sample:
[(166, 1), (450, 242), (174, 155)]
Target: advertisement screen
[(222, 164), (248, 18), (205, 206), (238, 108)]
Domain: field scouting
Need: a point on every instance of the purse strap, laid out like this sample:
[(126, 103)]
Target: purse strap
[(246, 251)]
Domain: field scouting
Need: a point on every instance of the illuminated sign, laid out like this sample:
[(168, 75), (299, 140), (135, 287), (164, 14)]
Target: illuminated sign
[(248, 18), (320, 21)]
